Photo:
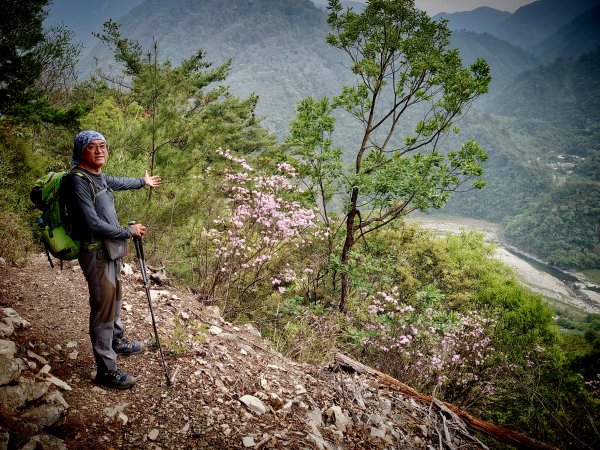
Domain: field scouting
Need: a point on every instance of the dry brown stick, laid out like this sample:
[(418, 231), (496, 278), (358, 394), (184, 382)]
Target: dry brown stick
[(498, 432)]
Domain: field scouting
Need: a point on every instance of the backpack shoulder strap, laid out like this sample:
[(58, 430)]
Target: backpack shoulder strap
[(95, 193)]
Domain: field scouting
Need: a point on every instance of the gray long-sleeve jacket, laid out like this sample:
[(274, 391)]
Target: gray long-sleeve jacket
[(95, 221)]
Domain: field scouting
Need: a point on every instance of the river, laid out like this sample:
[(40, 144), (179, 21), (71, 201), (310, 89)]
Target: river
[(556, 285)]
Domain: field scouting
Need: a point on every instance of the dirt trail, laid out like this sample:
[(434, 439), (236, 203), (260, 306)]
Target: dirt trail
[(217, 368)]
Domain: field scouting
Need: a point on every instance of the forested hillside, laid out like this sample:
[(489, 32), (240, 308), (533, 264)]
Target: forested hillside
[(544, 138), (532, 23), (277, 47), (479, 20), (576, 38), (538, 114), (505, 60)]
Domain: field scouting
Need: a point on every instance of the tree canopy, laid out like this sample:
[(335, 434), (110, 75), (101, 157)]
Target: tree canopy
[(34, 65), (407, 81)]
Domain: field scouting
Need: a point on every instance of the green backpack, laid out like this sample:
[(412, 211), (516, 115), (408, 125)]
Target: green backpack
[(54, 228)]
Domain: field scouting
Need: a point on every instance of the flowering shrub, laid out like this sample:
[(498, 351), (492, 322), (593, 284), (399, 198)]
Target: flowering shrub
[(426, 347), (260, 226)]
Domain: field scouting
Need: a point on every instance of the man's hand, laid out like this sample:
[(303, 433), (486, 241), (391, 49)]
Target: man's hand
[(137, 230), (151, 181)]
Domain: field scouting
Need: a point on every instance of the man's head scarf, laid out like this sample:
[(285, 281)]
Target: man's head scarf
[(81, 141)]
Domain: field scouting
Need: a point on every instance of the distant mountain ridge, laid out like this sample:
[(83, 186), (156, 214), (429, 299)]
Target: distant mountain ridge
[(580, 36), (527, 27), (532, 23), (357, 6), (479, 20)]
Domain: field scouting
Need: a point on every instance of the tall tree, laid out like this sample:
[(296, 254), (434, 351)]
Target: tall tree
[(187, 110), (407, 81), (35, 64)]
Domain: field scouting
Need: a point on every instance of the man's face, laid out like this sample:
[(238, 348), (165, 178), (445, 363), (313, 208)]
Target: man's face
[(95, 154)]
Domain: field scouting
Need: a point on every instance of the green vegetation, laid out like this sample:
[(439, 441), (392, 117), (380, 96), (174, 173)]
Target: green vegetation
[(562, 226), (235, 221), (404, 74), (278, 52), (542, 171)]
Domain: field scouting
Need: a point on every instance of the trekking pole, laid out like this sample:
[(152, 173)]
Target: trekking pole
[(139, 250)]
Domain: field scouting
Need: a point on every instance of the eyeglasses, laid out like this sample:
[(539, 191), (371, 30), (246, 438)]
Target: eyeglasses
[(94, 147)]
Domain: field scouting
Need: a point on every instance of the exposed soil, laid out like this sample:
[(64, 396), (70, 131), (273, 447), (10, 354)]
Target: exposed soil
[(212, 370)]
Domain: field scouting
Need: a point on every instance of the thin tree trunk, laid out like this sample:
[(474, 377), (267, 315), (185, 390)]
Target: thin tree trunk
[(348, 244)]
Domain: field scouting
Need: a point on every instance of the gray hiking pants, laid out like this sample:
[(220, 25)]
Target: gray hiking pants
[(106, 297)]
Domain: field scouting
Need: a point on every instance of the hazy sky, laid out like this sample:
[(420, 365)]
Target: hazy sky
[(436, 6)]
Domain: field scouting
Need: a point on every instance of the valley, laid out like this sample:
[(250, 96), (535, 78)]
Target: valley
[(564, 289)]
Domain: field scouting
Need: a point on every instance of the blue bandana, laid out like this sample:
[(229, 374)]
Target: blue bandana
[(81, 141)]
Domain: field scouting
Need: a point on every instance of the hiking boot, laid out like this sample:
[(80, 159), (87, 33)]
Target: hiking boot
[(125, 347), (117, 379)]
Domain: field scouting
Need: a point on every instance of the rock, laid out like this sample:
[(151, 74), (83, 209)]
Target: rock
[(375, 419), (287, 406), (315, 421), (160, 278), (45, 441), (377, 433), (341, 420), (248, 441), (246, 349), (10, 370), (229, 337), (73, 354), (47, 413), (123, 418), (215, 330), (126, 269), (320, 442), (300, 389), (15, 318), (7, 348), (58, 382), (153, 434), (212, 312), (2, 261), (184, 315), (72, 344), (251, 330), (6, 328), (156, 294), (37, 357), (254, 404), (111, 412), (15, 397)]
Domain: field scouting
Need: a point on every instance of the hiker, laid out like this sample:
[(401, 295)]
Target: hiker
[(90, 211)]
